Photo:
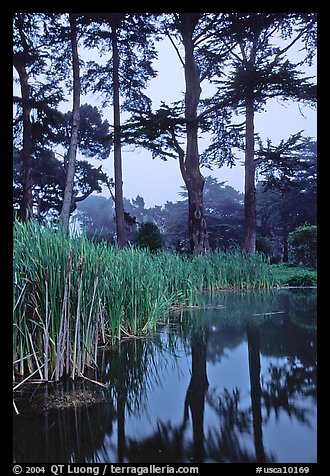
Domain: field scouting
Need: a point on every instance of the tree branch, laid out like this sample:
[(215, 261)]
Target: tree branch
[(174, 46), (230, 50), (286, 48), (180, 152), (214, 108), (84, 196), (237, 125)]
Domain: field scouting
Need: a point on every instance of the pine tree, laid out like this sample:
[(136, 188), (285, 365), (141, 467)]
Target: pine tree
[(124, 76), (261, 70)]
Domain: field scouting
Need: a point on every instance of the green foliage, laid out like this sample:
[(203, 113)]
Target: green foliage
[(290, 275), (149, 236), (93, 131), (302, 279), (72, 294), (47, 169), (263, 245), (223, 212), (292, 161), (303, 245), (288, 200)]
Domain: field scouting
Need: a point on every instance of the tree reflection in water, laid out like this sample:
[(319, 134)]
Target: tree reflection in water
[(253, 338), (101, 433), (282, 384), (276, 391)]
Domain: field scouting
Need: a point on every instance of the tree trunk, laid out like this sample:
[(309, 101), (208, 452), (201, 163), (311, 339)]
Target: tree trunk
[(190, 165), (118, 173), (198, 236), (250, 214), (26, 203), (285, 234), (72, 152)]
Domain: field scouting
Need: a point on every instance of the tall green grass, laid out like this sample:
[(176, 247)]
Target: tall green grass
[(70, 295)]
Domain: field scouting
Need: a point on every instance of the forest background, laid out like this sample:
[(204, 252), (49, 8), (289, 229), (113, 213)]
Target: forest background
[(286, 172)]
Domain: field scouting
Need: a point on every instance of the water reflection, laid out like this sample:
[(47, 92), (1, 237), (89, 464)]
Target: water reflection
[(253, 338), (227, 383)]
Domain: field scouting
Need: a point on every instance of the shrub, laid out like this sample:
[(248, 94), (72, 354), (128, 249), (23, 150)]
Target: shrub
[(149, 236), (263, 245), (303, 245), (302, 279)]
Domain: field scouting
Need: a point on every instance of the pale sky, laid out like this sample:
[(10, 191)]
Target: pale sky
[(158, 181)]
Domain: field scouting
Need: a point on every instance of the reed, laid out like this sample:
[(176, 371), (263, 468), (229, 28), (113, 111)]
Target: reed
[(71, 294)]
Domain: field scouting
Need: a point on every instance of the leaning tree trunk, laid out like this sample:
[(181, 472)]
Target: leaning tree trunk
[(192, 176), (118, 173), (72, 152), (250, 214)]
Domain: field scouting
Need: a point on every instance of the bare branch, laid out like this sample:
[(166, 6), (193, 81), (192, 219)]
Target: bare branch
[(286, 48), (180, 152), (230, 50), (174, 46), (241, 124)]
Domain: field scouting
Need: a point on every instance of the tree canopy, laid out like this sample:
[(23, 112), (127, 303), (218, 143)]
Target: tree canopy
[(245, 56)]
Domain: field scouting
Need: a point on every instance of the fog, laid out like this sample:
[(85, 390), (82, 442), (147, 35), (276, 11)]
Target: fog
[(158, 181)]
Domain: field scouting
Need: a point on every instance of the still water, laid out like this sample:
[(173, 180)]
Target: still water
[(232, 381)]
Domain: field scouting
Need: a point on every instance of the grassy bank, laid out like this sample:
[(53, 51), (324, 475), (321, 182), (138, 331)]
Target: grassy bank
[(289, 275), (70, 295)]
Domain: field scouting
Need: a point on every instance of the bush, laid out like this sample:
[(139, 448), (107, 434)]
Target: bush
[(263, 245), (303, 245), (302, 279), (149, 236)]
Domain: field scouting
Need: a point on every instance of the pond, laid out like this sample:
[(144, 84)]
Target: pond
[(230, 381)]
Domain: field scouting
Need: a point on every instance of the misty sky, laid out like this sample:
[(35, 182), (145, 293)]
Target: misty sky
[(158, 181)]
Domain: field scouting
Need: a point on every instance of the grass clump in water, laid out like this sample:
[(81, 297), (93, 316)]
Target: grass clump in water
[(71, 294)]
